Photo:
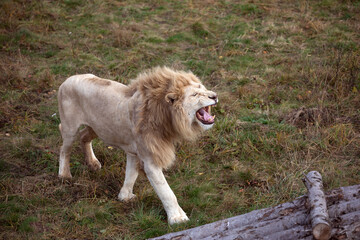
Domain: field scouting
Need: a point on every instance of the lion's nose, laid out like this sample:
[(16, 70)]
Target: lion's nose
[(213, 96)]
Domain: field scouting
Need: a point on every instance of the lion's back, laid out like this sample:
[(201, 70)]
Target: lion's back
[(91, 85)]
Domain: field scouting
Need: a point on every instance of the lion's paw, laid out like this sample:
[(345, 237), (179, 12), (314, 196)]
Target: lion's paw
[(65, 175), (125, 197), (94, 164), (178, 219)]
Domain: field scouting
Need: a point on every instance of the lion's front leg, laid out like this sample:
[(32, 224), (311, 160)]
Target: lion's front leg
[(86, 136), (157, 179), (126, 192)]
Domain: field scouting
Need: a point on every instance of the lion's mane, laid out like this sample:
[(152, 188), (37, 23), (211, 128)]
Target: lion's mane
[(163, 123)]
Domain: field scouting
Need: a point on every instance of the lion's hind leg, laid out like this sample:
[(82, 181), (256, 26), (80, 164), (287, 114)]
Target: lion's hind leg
[(86, 136), (68, 133)]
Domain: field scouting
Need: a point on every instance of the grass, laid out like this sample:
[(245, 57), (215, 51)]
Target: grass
[(266, 60)]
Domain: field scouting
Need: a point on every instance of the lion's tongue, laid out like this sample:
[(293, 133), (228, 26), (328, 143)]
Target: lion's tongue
[(205, 114)]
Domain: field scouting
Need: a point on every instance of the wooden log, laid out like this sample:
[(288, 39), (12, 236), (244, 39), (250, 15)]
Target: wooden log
[(298, 232), (296, 225), (286, 221), (347, 226), (319, 216), (343, 208), (254, 225), (246, 224)]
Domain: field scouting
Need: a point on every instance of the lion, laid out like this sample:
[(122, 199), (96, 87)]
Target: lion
[(146, 118)]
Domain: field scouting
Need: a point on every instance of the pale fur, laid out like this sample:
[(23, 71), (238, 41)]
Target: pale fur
[(145, 119)]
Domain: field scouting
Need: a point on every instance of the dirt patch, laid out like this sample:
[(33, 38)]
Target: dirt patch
[(51, 187), (304, 117)]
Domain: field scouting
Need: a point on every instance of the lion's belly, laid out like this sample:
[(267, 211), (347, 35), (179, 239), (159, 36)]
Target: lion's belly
[(121, 141), (115, 137), (115, 127)]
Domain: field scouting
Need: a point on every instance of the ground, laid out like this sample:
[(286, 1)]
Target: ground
[(288, 78)]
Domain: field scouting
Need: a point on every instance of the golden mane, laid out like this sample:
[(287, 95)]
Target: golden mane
[(163, 123)]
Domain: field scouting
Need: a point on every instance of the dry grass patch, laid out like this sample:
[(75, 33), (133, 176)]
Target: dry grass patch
[(125, 36)]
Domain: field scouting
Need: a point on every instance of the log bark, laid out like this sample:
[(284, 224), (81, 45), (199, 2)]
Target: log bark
[(286, 221), (348, 226), (319, 216)]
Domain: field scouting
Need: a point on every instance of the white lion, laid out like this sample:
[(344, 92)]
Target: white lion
[(146, 118)]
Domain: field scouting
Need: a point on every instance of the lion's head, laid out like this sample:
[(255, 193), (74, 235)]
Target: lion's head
[(175, 106)]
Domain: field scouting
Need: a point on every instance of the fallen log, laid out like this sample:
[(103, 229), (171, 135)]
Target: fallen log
[(319, 216), (349, 222), (286, 221)]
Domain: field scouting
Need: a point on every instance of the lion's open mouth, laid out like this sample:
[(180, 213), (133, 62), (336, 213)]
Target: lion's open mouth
[(204, 115)]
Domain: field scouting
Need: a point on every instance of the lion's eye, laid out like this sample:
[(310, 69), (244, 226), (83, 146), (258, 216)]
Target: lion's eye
[(194, 94)]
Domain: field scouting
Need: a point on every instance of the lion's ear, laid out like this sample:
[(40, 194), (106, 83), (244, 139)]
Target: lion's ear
[(171, 98)]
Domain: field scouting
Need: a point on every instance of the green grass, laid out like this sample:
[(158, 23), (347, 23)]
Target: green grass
[(264, 59)]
